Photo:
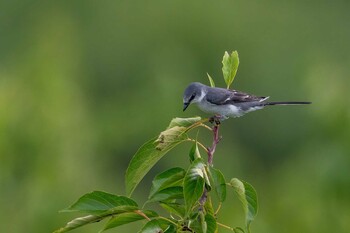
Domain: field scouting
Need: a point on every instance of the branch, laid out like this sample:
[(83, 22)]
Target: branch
[(216, 140)]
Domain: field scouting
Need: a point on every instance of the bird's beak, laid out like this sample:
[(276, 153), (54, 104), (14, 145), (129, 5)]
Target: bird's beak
[(186, 104)]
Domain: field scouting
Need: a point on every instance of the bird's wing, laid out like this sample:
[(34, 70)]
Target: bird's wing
[(221, 96)]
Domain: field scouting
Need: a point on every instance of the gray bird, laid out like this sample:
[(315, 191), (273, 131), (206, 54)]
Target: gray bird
[(225, 103)]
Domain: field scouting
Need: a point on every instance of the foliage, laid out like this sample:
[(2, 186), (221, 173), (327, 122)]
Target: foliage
[(186, 193), (229, 67)]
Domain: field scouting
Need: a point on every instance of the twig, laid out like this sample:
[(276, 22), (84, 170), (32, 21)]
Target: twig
[(210, 152), (139, 212), (218, 209), (216, 140), (227, 227), (166, 219), (200, 144)]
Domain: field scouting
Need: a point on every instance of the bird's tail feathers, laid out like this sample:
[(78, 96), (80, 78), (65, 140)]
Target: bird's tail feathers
[(286, 103)]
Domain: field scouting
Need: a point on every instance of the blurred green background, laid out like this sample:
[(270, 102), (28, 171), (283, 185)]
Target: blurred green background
[(84, 83)]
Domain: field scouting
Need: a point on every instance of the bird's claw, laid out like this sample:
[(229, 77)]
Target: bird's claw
[(216, 119)]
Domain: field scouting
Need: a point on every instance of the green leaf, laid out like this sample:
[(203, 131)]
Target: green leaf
[(78, 222), (100, 205), (230, 65), (157, 226), (175, 208), (238, 229), (152, 151), (152, 226), (247, 195), (194, 152), (211, 223), (170, 229), (194, 184), (126, 218), (172, 177), (204, 224), (98, 202), (212, 84), (218, 183), (170, 193), (208, 206)]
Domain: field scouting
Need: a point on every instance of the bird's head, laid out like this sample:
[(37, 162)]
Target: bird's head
[(193, 94)]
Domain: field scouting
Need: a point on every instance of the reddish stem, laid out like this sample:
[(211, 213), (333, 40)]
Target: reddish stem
[(210, 151), (216, 140)]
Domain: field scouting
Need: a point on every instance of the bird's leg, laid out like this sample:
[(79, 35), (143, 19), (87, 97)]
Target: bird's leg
[(217, 119)]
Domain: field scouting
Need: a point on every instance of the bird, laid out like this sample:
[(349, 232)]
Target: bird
[(226, 103)]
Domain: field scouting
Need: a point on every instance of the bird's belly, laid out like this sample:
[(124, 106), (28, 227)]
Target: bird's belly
[(223, 110)]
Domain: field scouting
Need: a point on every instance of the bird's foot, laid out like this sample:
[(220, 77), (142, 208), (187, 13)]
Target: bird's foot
[(217, 119)]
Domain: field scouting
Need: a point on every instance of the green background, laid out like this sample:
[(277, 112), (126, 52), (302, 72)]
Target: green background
[(84, 83)]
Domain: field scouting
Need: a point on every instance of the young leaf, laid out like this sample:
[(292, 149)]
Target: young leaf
[(167, 194), (126, 218), (247, 195), (99, 202), (194, 152), (152, 151), (219, 183), (230, 65), (194, 184), (168, 178), (79, 222), (212, 84)]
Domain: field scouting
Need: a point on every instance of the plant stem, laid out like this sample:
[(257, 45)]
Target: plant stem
[(227, 227), (139, 212), (200, 144), (166, 219), (210, 152), (203, 199), (216, 140)]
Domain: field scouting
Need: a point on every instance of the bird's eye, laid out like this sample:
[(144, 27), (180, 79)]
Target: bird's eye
[(192, 97)]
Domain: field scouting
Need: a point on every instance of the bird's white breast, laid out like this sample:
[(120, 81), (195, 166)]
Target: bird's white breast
[(223, 110)]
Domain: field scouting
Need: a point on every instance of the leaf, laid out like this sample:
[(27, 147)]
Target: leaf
[(157, 226), (170, 138), (194, 152), (194, 184), (167, 194), (126, 218), (101, 205), (247, 195), (212, 84), (152, 226), (78, 222), (218, 183), (98, 202), (175, 208), (230, 65), (211, 223), (172, 177), (183, 122), (204, 224), (152, 151), (208, 206), (170, 229)]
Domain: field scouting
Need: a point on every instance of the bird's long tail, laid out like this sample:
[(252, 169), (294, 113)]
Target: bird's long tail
[(286, 103)]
